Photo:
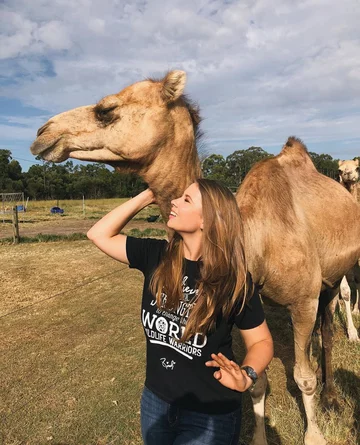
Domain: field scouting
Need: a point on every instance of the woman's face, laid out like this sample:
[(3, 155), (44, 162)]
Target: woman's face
[(186, 211)]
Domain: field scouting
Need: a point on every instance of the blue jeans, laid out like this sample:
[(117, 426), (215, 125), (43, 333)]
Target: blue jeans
[(165, 424)]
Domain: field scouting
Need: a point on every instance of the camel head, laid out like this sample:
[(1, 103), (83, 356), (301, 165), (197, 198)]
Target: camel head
[(148, 128), (349, 171)]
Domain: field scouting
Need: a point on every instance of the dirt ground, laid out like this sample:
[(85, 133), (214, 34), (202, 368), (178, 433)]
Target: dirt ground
[(61, 226)]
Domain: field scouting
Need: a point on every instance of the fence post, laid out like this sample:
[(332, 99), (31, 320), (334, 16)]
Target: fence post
[(16, 225), (84, 211)]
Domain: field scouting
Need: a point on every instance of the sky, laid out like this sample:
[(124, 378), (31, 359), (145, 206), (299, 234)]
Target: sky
[(261, 70)]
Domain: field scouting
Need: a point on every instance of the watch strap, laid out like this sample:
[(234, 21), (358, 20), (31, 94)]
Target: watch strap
[(251, 373)]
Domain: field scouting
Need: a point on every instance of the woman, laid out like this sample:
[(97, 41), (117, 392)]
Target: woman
[(196, 288)]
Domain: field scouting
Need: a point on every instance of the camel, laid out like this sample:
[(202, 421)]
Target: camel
[(349, 175), (297, 245)]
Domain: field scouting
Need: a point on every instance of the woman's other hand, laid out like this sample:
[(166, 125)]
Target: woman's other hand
[(229, 374)]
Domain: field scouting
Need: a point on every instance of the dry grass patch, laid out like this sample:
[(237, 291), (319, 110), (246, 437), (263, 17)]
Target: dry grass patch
[(73, 355), (73, 362)]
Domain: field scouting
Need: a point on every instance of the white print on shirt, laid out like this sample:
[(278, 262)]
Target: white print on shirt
[(168, 365), (166, 328)]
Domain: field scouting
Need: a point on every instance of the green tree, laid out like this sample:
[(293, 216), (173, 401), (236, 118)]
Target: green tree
[(214, 167), (11, 176), (325, 164), (5, 157), (240, 162), (35, 182)]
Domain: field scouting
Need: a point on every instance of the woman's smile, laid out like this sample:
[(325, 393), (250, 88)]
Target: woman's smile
[(187, 210)]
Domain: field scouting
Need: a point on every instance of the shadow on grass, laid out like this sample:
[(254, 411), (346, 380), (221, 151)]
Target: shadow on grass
[(349, 383)]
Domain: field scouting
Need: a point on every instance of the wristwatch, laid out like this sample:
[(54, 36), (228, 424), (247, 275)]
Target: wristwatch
[(251, 373)]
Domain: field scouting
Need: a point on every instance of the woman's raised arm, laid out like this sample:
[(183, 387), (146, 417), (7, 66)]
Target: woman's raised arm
[(105, 233)]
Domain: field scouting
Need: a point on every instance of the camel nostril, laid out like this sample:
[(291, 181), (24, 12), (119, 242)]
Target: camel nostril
[(42, 129)]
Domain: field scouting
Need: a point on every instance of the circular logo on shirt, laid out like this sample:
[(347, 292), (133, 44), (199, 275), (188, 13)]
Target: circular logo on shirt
[(161, 325)]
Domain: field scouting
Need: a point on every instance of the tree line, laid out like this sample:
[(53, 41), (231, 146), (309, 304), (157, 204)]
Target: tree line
[(69, 181)]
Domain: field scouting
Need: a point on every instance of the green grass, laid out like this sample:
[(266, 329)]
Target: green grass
[(147, 233), (73, 355), (46, 238)]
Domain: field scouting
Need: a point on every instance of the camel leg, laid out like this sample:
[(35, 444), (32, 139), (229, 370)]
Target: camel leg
[(258, 400), (356, 309), (303, 317), (327, 310), (346, 296)]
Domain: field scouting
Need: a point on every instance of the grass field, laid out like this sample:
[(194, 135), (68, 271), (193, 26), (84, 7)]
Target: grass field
[(73, 355), (38, 219), (91, 208)]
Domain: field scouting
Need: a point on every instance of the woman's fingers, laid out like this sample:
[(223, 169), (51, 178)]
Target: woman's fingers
[(219, 360), (217, 375), (212, 363), (235, 366)]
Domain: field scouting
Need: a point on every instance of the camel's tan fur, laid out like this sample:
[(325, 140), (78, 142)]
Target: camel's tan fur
[(297, 242)]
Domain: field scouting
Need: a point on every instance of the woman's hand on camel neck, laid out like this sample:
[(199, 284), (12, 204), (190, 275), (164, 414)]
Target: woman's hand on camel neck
[(150, 196)]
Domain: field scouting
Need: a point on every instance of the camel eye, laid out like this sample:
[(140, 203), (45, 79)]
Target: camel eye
[(104, 115)]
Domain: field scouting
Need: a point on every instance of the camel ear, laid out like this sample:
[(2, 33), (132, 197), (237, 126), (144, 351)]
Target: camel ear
[(173, 85), (357, 162), (340, 162)]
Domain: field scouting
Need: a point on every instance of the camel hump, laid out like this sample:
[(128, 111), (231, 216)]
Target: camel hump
[(295, 143), (295, 153)]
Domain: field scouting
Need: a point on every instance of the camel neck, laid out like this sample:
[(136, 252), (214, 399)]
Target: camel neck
[(168, 178)]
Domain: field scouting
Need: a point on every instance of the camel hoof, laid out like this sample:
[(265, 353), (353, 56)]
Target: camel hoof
[(314, 438), (355, 311), (329, 401)]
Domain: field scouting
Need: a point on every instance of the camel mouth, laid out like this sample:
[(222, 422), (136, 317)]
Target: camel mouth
[(49, 152), (350, 179)]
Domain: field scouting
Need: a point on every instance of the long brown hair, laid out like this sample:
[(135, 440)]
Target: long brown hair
[(224, 280)]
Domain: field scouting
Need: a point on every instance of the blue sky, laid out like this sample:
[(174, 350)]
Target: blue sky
[(261, 70)]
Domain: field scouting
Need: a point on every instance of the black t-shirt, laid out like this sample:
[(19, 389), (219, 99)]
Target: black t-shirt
[(176, 371)]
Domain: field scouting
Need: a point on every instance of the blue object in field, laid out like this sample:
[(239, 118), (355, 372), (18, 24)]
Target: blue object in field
[(152, 218), (56, 210), (20, 208)]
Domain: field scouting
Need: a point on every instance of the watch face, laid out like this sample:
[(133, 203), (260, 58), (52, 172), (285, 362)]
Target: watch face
[(250, 372)]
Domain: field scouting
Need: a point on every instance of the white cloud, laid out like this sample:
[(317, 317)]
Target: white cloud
[(260, 69), (16, 34), (53, 35)]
